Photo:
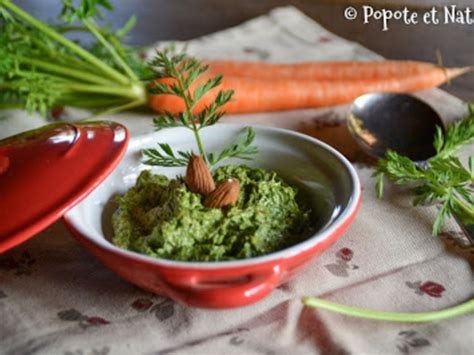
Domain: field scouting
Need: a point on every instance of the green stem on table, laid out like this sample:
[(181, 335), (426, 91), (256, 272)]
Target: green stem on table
[(58, 69), (111, 72), (452, 312), (118, 59)]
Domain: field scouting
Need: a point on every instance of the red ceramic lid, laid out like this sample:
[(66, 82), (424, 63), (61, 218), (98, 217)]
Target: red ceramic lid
[(45, 172)]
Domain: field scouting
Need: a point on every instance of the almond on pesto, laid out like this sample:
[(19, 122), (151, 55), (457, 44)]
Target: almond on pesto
[(162, 218)]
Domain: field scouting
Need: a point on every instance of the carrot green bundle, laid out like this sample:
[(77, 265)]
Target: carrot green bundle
[(41, 69)]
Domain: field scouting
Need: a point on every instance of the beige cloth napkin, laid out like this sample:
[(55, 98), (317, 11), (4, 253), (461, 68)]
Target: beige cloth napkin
[(55, 298)]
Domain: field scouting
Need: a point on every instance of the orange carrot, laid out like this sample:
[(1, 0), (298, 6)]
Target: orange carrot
[(275, 94), (322, 70), (174, 104)]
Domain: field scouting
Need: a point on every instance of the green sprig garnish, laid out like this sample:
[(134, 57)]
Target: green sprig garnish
[(442, 180), (243, 149), (166, 157), (188, 84), (42, 69)]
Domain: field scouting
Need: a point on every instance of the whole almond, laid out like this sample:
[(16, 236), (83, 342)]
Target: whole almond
[(226, 194), (198, 176)]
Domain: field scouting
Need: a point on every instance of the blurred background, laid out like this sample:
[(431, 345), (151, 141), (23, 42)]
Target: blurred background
[(186, 19)]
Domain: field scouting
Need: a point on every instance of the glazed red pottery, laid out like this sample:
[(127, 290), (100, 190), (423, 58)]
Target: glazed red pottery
[(45, 172), (325, 175)]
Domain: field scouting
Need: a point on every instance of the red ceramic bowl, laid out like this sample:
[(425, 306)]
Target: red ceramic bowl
[(326, 178)]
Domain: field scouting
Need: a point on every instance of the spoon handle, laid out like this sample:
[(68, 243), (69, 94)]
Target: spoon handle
[(467, 228)]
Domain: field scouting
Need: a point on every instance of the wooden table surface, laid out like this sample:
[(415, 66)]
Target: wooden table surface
[(186, 19)]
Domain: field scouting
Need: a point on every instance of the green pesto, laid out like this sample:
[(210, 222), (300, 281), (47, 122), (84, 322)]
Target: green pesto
[(160, 217)]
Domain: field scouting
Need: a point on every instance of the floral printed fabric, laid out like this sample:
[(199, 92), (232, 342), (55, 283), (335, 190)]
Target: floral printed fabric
[(55, 298)]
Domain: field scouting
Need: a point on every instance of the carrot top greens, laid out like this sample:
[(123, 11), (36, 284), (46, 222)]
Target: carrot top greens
[(42, 69), (186, 72), (444, 179)]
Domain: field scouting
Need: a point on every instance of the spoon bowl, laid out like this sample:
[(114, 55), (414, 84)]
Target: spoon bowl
[(403, 123)]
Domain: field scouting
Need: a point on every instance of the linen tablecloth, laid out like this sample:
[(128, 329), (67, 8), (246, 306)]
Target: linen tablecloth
[(55, 298)]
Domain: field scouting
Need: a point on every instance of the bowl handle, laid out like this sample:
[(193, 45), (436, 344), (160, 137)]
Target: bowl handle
[(199, 293)]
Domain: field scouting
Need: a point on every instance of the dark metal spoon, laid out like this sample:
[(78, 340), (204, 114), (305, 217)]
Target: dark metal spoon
[(399, 122)]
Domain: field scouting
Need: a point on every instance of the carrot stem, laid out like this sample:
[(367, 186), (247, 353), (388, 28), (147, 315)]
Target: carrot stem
[(59, 69), (109, 71), (452, 73), (118, 59)]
